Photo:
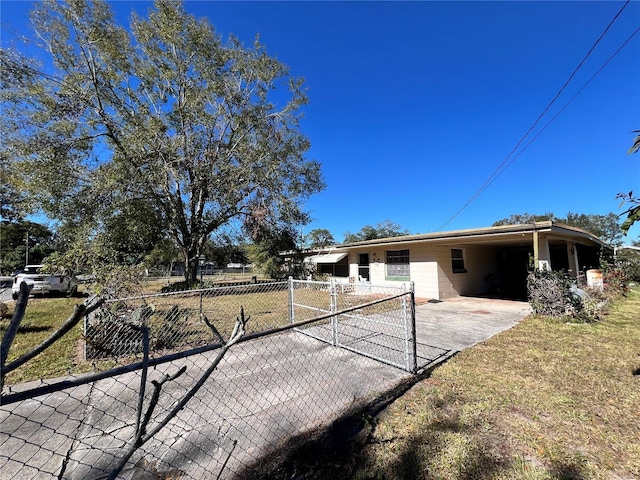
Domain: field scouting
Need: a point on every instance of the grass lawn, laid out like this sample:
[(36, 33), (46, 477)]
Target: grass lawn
[(43, 317), (544, 400)]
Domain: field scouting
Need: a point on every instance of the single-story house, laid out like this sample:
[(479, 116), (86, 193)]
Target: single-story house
[(483, 261)]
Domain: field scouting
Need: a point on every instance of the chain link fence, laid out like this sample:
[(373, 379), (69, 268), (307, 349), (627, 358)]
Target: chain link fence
[(176, 392), (383, 327)]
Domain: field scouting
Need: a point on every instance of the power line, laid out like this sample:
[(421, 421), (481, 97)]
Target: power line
[(506, 163), (624, 44)]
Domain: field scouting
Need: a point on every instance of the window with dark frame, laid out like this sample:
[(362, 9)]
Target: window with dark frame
[(457, 260), (398, 265)]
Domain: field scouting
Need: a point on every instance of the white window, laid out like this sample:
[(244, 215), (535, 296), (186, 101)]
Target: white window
[(457, 260), (398, 265)]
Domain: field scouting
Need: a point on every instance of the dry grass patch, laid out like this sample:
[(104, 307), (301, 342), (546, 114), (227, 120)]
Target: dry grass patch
[(543, 400)]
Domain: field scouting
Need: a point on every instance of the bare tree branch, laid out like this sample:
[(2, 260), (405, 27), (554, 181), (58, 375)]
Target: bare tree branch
[(79, 312), (12, 329), (142, 436)]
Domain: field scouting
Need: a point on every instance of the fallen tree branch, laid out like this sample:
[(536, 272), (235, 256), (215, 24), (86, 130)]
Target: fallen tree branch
[(142, 435), (79, 312)]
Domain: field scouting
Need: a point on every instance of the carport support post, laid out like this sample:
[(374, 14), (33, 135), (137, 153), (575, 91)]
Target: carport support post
[(536, 250)]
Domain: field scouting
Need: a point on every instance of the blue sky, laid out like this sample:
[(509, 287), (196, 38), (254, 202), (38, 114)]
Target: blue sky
[(413, 105)]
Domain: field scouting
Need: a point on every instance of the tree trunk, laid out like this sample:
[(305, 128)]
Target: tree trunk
[(191, 266)]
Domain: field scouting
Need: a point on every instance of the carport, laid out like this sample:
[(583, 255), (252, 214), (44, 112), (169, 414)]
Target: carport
[(499, 259)]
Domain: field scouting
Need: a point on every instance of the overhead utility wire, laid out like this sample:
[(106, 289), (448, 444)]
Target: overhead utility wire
[(570, 100), (500, 168)]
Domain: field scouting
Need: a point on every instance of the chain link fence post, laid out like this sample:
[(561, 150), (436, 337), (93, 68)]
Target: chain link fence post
[(333, 307), (406, 331), (292, 313), (412, 307)]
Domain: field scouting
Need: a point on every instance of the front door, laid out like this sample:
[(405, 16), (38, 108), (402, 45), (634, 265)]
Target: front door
[(363, 267)]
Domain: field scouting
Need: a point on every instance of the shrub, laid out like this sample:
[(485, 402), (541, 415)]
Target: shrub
[(555, 294), (615, 282), (177, 287), (590, 309), (629, 262), (552, 293)]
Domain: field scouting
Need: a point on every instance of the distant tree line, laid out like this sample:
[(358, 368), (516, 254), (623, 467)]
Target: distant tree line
[(606, 227)]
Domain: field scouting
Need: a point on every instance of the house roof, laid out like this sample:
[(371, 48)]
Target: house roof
[(507, 234)]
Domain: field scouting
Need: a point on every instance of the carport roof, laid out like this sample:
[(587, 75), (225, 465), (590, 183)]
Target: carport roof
[(505, 234), (326, 258)]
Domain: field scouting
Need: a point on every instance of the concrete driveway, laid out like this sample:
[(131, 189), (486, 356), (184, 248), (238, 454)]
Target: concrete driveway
[(446, 327)]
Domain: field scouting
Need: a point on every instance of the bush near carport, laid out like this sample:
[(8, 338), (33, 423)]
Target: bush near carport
[(555, 294), (551, 293)]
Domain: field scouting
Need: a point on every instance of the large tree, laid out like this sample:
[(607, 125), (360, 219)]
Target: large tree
[(23, 242), (166, 113), (319, 237), (605, 227), (520, 218), (385, 229), (265, 251)]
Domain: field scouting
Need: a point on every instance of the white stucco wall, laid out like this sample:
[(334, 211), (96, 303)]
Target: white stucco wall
[(422, 266), (430, 269), (478, 262)]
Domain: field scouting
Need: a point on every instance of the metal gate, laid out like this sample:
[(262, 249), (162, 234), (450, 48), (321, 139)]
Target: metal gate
[(375, 321)]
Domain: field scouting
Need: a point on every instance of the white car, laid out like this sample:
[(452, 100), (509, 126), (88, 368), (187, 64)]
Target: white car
[(5, 289), (43, 283)]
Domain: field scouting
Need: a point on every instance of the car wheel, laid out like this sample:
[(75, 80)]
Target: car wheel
[(73, 291), (14, 295)]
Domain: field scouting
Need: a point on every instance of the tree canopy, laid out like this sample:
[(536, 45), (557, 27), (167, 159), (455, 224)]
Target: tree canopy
[(520, 218), (319, 237), (19, 237), (385, 229), (633, 212), (166, 114), (605, 227)]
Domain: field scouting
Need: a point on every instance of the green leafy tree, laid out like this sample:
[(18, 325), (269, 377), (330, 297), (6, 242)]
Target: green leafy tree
[(605, 227), (264, 253), (522, 218), (319, 237), (166, 113), (628, 260), (133, 231), (633, 212), (16, 237), (163, 257), (385, 229), (12, 198), (225, 249)]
